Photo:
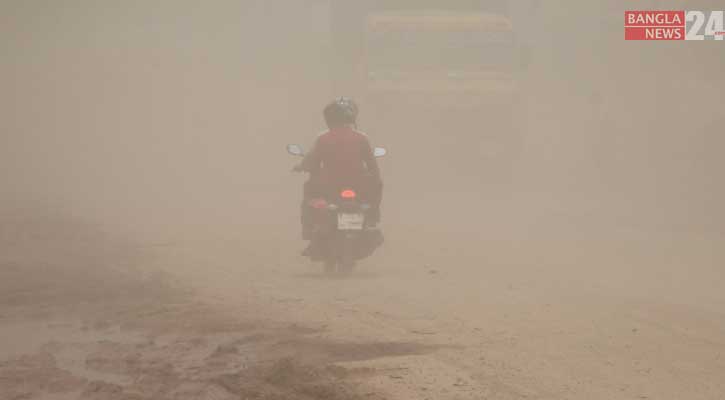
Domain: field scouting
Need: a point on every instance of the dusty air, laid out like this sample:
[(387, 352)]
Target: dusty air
[(362, 199)]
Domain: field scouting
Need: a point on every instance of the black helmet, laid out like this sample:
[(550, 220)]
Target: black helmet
[(340, 112)]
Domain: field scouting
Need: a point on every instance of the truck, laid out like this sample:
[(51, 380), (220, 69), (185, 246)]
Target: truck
[(455, 69)]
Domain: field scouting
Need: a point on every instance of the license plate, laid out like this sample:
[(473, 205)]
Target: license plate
[(350, 222)]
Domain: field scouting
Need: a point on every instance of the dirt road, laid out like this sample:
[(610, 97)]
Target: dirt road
[(565, 317), (580, 318)]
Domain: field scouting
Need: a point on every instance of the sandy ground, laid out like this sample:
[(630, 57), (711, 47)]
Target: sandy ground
[(570, 316)]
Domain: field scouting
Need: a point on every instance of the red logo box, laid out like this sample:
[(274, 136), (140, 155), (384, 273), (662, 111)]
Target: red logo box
[(654, 25)]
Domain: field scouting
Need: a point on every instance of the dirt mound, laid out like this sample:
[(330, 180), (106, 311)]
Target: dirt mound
[(287, 378), (272, 362)]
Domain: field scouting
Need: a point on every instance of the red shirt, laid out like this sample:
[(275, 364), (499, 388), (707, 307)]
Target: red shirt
[(342, 156)]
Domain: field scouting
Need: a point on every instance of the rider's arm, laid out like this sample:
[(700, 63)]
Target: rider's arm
[(369, 157), (312, 161)]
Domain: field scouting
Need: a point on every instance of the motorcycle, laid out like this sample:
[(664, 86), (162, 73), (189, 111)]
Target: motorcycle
[(341, 234)]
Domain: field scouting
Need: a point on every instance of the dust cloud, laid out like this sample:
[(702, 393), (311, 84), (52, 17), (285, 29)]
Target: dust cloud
[(144, 180)]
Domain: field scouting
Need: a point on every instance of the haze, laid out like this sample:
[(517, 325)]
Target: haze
[(146, 199)]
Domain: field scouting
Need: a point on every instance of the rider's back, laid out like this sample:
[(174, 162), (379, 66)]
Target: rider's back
[(343, 153)]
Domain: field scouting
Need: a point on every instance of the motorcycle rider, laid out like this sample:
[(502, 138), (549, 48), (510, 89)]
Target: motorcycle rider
[(341, 157)]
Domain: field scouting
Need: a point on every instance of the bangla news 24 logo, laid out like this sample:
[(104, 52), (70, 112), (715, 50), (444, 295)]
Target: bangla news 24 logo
[(673, 25)]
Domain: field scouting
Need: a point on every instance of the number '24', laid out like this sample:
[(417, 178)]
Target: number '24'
[(714, 26)]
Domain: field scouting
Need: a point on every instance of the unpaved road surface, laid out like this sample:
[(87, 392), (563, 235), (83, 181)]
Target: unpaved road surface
[(629, 316)]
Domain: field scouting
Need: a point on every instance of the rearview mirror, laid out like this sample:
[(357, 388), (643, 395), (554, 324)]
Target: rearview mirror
[(295, 150), (380, 151)]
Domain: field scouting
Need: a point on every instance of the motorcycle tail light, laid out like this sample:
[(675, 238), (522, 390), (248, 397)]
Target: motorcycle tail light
[(348, 194)]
